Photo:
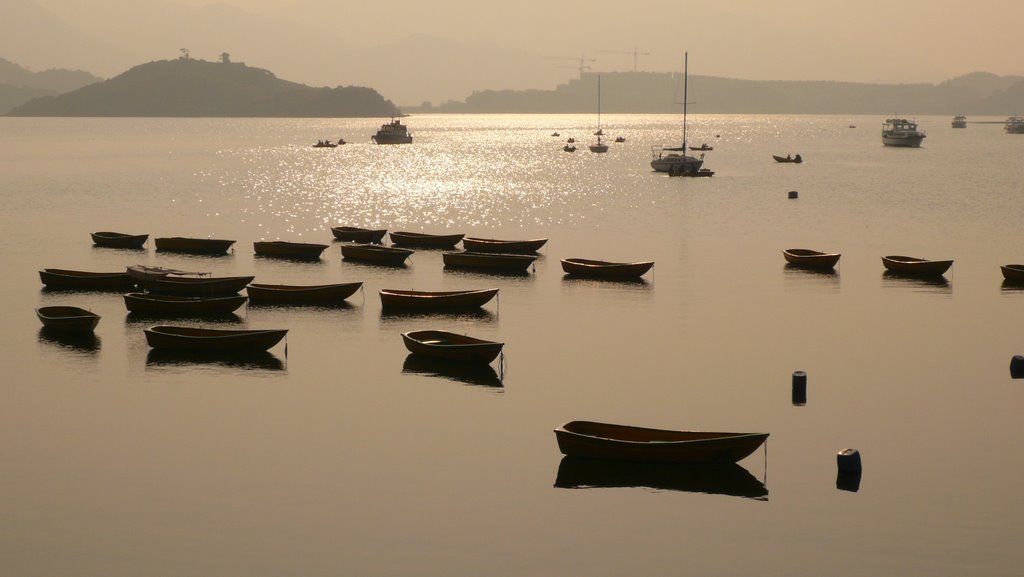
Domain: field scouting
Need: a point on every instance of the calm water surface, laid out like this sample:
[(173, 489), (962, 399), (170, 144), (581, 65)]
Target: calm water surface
[(338, 455)]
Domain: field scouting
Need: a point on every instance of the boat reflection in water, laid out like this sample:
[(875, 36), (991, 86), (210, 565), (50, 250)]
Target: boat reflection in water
[(715, 479), (82, 342), (260, 360), (468, 373), (477, 315), (931, 284)]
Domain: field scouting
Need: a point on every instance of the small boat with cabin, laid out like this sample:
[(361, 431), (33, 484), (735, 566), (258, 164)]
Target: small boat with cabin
[(593, 440), (201, 340), (393, 132), (435, 300), (68, 319), (601, 269), (451, 346), (118, 239), (357, 234), (807, 258), (901, 132)]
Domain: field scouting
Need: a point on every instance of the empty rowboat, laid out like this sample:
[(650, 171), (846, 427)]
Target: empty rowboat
[(157, 304), (435, 300), (68, 319), (118, 239), (197, 286), (451, 346), (284, 249), (605, 270), (314, 294), (356, 234), (916, 266), (807, 258), (475, 244), (1013, 272), (193, 245), (197, 340), (421, 240), (488, 261), (58, 278), (385, 255), (626, 443)]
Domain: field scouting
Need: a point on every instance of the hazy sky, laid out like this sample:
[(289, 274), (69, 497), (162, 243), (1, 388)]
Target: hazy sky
[(530, 43)]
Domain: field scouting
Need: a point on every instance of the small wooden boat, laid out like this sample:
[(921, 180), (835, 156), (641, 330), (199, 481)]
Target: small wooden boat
[(197, 286), (157, 304), (145, 272), (569, 148), (386, 255), (620, 139), (68, 319), (118, 239), (605, 270), (356, 234), (199, 340), (475, 244), (916, 266), (704, 147), (1013, 272), (284, 249), (435, 300), (625, 443), (488, 261), (451, 346), (794, 159), (421, 240), (807, 258), (281, 293), (193, 245), (77, 279)]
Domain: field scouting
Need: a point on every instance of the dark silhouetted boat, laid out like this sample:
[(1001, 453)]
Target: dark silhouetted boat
[(422, 240), (435, 300), (83, 280), (475, 244), (793, 159), (200, 340), (356, 234), (197, 286), (605, 270), (68, 319), (193, 245), (393, 132), (170, 305), (626, 443), (118, 239), (376, 254), (488, 261), (910, 265), (807, 258), (1013, 272), (297, 294), (451, 346), (285, 249)]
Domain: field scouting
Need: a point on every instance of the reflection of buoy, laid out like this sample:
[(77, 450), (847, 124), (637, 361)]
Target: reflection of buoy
[(1017, 367), (848, 461), (793, 194), (799, 388)]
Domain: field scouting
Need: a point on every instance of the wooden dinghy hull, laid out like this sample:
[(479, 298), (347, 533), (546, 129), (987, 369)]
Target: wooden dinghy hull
[(356, 234), (371, 253), (474, 244), (488, 261), (807, 258), (1013, 272), (421, 240), (297, 294), (118, 239), (451, 346), (605, 270), (910, 265), (284, 249), (84, 280), (591, 440), (198, 286), (68, 319), (794, 160), (435, 300), (156, 304), (193, 245), (197, 340)]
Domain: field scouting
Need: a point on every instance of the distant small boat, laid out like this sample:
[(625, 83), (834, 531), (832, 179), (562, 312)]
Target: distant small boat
[(626, 443), (84, 280), (569, 148), (279, 293), (1014, 125), (1013, 272), (118, 239), (157, 304), (193, 245), (901, 132), (604, 269), (807, 258), (555, 134), (200, 340), (324, 144), (916, 266), (197, 286), (571, 140), (451, 346), (435, 300), (620, 139), (376, 254), (488, 260), (422, 240), (284, 249), (703, 147), (393, 132), (475, 244), (356, 234), (794, 159), (68, 319), (959, 121)]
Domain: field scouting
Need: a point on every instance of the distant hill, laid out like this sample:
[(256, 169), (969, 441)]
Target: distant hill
[(651, 92), (192, 87), (19, 85)]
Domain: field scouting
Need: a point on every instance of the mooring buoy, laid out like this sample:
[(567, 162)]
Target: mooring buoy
[(848, 461), (799, 388), (793, 194), (1017, 367)]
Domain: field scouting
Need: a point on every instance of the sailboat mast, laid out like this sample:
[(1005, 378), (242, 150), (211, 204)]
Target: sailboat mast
[(598, 102), (686, 79)]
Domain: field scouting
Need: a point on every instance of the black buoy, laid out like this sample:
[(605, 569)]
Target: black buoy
[(848, 482), (848, 461), (799, 388), (1017, 367), (793, 194)]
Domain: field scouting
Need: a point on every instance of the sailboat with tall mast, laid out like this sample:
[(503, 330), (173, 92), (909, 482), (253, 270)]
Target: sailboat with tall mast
[(599, 146), (673, 159)]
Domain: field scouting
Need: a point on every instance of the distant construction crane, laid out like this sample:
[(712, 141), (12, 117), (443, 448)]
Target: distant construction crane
[(636, 53), (582, 60)]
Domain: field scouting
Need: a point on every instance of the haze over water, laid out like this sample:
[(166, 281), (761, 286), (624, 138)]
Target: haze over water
[(338, 457)]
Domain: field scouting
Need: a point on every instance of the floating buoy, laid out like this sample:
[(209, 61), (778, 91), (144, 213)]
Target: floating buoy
[(799, 388), (793, 194), (848, 461), (848, 482), (1017, 367)]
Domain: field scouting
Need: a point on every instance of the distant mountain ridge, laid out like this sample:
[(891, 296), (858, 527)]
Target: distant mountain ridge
[(187, 87), (19, 85)]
